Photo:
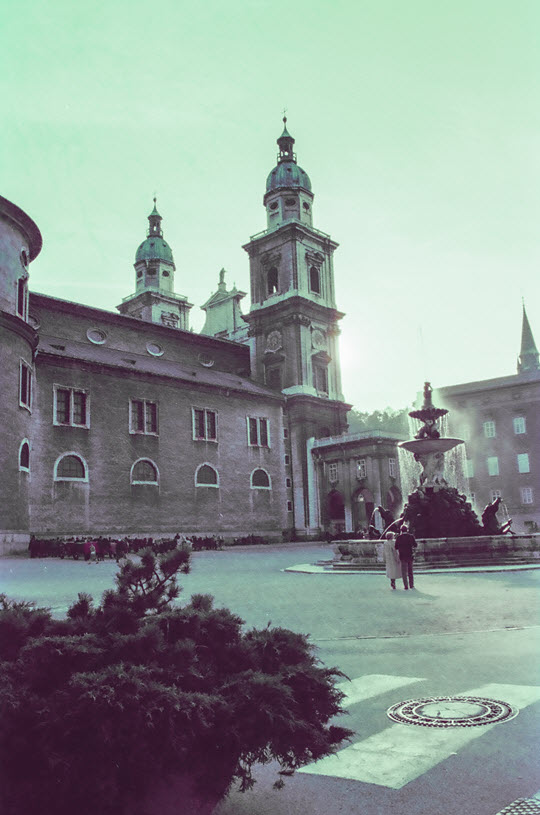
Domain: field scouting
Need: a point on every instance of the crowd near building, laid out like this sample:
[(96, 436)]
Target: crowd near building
[(128, 422)]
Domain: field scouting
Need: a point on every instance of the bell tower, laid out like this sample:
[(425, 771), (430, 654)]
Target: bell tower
[(293, 321), (154, 299)]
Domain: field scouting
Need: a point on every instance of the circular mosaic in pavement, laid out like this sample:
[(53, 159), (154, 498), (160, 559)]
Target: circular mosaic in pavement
[(451, 711)]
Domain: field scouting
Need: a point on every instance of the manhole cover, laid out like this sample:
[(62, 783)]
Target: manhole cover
[(451, 711)]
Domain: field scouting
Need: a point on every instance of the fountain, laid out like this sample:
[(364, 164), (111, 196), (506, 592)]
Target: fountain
[(436, 509), (441, 518)]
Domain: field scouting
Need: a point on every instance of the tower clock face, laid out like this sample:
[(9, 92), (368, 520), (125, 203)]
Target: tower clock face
[(273, 341)]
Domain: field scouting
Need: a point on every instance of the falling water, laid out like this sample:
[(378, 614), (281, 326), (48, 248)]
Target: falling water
[(454, 462)]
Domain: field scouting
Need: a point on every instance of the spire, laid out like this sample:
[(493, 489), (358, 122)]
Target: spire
[(154, 220), (528, 356), (285, 144)]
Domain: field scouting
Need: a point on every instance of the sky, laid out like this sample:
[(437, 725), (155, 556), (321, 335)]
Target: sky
[(416, 120)]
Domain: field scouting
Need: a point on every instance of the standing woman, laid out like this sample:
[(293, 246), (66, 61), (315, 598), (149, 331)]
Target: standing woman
[(391, 559)]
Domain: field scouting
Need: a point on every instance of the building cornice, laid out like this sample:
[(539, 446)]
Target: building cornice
[(287, 230), (18, 326)]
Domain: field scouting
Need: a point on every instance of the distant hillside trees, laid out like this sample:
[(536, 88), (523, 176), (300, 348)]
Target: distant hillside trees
[(389, 419)]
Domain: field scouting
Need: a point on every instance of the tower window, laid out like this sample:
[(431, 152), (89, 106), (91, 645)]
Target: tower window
[(139, 273), (166, 274), (320, 377), (22, 297), (306, 206), (25, 385), (315, 280), (273, 378), (290, 202), (272, 280), (273, 205), (24, 456)]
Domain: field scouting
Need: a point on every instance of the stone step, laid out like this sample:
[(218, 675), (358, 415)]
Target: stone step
[(441, 564)]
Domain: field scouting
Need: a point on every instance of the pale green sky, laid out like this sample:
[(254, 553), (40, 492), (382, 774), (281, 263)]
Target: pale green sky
[(417, 121)]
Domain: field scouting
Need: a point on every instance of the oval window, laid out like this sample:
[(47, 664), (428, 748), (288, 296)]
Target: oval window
[(290, 202), (154, 348), (206, 360), (96, 336), (273, 205), (306, 206)]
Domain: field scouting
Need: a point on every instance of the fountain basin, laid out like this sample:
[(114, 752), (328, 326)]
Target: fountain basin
[(480, 550), (425, 446)]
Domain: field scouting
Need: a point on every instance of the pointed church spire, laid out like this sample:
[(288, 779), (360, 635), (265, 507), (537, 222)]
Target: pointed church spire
[(285, 144), (528, 356), (154, 220)]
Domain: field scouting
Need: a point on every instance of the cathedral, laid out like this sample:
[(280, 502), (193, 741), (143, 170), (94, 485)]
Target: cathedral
[(127, 422)]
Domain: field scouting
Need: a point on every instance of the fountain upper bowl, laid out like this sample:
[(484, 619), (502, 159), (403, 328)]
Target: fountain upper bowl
[(423, 446)]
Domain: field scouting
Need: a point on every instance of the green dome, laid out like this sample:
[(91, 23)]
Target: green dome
[(287, 174), (154, 248)]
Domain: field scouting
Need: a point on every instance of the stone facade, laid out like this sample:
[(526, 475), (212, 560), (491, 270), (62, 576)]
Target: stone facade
[(499, 419)]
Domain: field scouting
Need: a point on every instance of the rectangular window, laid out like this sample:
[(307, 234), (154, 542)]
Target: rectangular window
[(25, 385), (495, 494), (361, 468), (287, 459), (392, 467), (22, 297), (143, 417), (333, 473), (469, 468), (489, 430), (526, 495), (520, 426), (204, 424), (70, 407), (320, 375), (285, 433), (287, 482), (289, 506), (258, 435), (523, 463), (493, 465)]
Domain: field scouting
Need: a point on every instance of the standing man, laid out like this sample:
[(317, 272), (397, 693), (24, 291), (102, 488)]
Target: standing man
[(405, 543)]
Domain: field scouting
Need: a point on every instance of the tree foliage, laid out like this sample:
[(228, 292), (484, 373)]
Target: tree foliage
[(97, 707), (394, 421)]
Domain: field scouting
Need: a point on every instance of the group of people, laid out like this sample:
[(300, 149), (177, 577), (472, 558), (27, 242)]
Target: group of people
[(398, 557)]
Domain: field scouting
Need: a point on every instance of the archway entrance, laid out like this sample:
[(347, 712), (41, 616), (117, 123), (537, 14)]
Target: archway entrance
[(336, 512)]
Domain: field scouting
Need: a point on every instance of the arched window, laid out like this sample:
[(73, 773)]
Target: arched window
[(315, 280), (272, 280), (24, 456), (260, 480), (70, 467), (144, 471), (206, 476)]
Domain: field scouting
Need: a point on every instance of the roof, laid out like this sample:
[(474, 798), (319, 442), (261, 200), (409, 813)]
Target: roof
[(65, 349), (154, 248), (286, 175)]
